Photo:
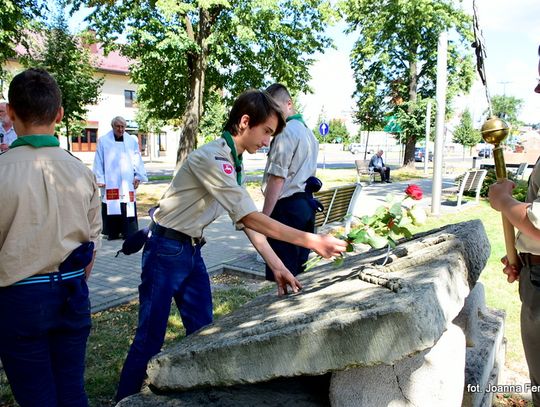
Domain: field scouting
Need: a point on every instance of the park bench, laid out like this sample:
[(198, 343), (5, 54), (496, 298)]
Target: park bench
[(521, 170), (471, 180), (338, 204), (363, 168)]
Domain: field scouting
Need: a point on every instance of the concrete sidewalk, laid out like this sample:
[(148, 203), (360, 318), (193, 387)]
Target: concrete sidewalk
[(114, 280)]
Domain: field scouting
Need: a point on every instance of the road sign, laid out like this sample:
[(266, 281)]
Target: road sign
[(392, 125), (324, 128)]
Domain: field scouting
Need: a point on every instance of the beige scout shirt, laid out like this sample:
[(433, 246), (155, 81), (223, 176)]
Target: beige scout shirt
[(49, 204), (524, 243), (204, 186), (293, 156)]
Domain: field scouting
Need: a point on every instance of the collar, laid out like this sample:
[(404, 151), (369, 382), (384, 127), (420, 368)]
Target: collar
[(36, 140), (237, 158), (298, 117)]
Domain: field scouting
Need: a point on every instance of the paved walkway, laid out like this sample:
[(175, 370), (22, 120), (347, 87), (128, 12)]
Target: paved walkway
[(115, 280)]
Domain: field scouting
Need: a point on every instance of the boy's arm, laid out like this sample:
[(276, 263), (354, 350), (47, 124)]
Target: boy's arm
[(272, 192), (282, 275), (501, 199), (324, 245)]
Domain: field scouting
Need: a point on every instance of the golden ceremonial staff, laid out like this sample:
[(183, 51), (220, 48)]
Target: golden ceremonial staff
[(494, 131)]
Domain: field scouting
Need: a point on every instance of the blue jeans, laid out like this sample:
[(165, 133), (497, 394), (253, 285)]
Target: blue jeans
[(43, 333), (170, 269)]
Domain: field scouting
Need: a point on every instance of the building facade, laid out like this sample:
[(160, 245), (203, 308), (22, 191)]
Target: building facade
[(118, 98)]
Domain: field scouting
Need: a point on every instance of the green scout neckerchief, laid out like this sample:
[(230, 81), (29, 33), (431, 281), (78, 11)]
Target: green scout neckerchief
[(36, 140), (298, 117), (237, 158)]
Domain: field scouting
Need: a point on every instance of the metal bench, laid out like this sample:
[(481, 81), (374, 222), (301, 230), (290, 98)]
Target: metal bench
[(338, 202), (363, 168), (470, 181), (521, 170)]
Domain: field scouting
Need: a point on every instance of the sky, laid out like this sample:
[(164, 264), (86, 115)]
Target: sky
[(512, 35)]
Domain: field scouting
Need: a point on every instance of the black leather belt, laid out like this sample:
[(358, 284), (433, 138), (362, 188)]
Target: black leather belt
[(176, 235), (530, 259)]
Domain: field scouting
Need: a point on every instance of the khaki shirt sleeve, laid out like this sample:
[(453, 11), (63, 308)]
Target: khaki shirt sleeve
[(218, 177), (94, 216), (281, 155), (533, 213)]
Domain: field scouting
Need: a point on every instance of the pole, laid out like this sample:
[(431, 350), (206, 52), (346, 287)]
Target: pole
[(428, 130), (439, 124)]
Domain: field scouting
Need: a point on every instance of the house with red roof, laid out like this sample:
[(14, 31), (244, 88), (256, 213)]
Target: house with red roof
[(118, 98)]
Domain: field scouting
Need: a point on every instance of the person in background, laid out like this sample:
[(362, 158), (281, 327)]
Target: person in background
[(7, 132), (377, 163), (50, 211), (208, 183), (525, 216), (292, 159), (119, 170)]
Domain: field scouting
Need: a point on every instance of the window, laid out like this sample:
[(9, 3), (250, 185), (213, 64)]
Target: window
[(86, 141), (129, 98), (162, 141)]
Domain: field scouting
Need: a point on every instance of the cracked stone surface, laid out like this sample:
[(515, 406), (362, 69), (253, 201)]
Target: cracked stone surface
[(352, 316)]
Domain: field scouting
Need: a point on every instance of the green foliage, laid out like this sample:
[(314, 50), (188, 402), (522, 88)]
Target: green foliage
[(390, 222), (184, 49), (214, 117), (519, 192), (15, 17), (465, 134), (64, 56), (394, 57), (411, 117), (337, 132), (507, 108)]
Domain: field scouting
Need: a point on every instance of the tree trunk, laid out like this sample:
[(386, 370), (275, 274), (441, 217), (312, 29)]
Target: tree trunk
[(410, 142), (197, 63)]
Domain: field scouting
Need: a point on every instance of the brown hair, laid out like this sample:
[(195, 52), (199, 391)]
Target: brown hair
[(35, 96), (259, 106)]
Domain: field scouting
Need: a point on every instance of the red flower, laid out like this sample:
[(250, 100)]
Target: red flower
[(414, 191)]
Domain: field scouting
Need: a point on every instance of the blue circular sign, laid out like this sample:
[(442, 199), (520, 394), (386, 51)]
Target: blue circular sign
[(324, 128)]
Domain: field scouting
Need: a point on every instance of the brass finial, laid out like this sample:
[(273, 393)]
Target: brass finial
[(494, 130)]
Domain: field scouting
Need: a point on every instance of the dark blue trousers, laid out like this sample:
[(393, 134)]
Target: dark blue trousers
[(294, 211), (170, 269), (43, 333)]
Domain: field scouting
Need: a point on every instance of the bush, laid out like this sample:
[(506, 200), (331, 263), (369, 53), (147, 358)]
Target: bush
[(520, 191)]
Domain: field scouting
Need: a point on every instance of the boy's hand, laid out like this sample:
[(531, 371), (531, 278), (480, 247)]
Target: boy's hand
[(512, 272), (328, 246), (284, 278), (498, 192)]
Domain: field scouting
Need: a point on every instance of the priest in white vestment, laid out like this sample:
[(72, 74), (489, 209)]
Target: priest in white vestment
[(119, 169)]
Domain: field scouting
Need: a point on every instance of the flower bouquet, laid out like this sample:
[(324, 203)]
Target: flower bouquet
[(390, 222)]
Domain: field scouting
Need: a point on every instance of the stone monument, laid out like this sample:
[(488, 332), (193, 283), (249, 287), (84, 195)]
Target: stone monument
[(361, 335)]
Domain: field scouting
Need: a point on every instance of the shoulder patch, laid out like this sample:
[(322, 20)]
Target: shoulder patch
[(227, 168)]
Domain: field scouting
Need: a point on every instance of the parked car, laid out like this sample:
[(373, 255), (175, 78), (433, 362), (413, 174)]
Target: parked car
[(485, 153), (420, 154), (355, 148)]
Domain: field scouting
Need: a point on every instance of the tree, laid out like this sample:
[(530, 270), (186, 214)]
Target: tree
[(15, 17), (465, 134), (507, 108), (184, 49), (337, 132), (394, 58), (64, 56)]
